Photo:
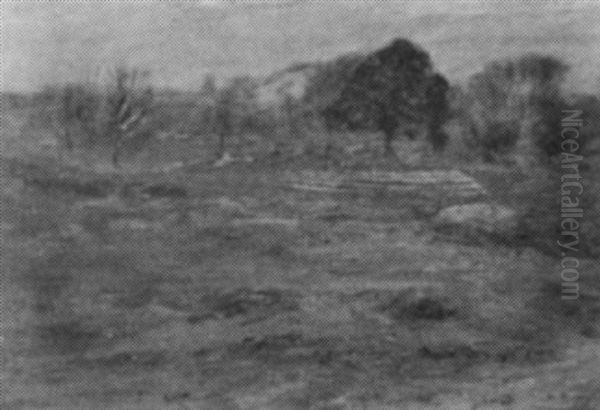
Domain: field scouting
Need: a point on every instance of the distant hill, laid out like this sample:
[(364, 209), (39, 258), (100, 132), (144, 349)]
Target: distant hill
[(180, 42), (291, 82)]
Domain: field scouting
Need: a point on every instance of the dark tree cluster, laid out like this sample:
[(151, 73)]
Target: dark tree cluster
[(391, 88)]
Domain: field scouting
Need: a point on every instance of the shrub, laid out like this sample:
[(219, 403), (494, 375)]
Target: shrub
[(493, 139)]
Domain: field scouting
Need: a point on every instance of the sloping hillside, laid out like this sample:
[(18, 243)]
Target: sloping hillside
[(291, 82)]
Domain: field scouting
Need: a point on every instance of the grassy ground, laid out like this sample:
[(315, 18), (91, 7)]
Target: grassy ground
[(224, 288)]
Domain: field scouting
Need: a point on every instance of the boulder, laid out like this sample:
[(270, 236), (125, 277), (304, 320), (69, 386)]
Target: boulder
[(482, 217), (226, 159)]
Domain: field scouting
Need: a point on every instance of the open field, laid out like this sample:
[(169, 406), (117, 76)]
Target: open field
[(225, 288)]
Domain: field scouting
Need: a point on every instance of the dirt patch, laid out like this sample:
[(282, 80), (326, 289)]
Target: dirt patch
[(286, 348), (93, 187), (495, 352), (278, 251), (245, 302), (176, 396), (137, 298), (47, 278), (164, 191), (426, 308), (147, 359), (429, 309), (66, 337), (133, 224), (336, 217), (271, 344)]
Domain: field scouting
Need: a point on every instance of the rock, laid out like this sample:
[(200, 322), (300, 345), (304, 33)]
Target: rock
[(231, 207), (478, 217), (48, 143), (226, 159)]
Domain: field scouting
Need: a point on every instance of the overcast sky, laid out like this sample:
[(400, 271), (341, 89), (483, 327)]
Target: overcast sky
[(55, 41)]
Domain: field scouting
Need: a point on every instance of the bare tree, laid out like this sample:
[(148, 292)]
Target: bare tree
[(72, 111), (128, 105), (114, 116), (235, 106)]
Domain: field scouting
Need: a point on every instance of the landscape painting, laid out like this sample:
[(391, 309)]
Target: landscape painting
[(285, 204)]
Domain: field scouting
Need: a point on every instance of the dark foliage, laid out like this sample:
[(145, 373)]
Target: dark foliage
[(437, 107), (392, 87), (516, 102)]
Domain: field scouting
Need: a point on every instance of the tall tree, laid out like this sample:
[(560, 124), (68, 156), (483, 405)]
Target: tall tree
[(324, 89), (209, 87), (387, 89), (208, 105), (235, 106), (437, 107), (129, 103), (114, 114)]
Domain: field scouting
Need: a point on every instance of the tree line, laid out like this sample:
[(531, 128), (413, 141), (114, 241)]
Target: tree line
[(395, 91)]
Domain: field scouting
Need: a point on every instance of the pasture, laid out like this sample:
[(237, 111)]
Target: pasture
[(226, 287)]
